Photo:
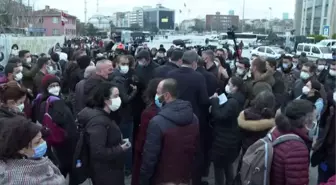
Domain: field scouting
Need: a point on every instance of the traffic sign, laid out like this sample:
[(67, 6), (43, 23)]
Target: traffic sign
[(326, 31)]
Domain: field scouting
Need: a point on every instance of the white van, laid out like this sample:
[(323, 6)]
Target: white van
[(327, 42), (314, 51)]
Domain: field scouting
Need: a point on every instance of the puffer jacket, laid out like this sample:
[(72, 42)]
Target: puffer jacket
[(253, 127), (30, 172), (290, 163), (171, 144), (226, 133), (103, 137)]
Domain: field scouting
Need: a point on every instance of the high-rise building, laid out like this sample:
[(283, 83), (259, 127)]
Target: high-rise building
[(159, 17), (136, 15), (285, 16), (121, 19), (312, 15), (231, 12), (220, 22)]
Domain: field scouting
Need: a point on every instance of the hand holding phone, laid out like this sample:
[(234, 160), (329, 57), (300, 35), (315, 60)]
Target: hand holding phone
[(126, 144)]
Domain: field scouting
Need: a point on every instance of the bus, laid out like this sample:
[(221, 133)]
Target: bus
[(246, 38)]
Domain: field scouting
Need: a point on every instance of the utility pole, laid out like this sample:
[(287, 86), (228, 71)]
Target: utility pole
[(85, 11), (243, 21), (97, 5)]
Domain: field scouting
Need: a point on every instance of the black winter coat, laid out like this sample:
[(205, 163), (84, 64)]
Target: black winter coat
[(106, 155), (162, 71), (226, 132)]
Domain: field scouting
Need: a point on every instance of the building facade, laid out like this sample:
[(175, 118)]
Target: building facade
[(186, 25), (121, 19), (159, 17), (101, 22), (312, 15), (136, 15), (220, 22), (48, 23)]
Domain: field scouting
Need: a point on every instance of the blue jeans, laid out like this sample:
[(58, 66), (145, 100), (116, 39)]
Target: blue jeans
[(126, 128)]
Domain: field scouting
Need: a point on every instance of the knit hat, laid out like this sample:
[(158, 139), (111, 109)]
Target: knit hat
[(49, 79)]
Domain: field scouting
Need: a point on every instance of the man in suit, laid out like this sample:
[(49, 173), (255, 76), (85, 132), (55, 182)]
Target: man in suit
[(192, 87)]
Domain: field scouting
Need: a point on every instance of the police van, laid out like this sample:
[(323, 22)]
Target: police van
[(314, 51)]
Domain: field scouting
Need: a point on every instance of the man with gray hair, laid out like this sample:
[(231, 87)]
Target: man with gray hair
[(192, 87), (79, 104)]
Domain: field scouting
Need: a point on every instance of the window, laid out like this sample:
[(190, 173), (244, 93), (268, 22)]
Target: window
[(269, 51), (261, 49), (300, 48), (315, 50), (55, 20), (307, 49), (55, 32)]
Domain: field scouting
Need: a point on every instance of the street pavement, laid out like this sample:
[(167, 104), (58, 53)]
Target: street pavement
[(211, 179)]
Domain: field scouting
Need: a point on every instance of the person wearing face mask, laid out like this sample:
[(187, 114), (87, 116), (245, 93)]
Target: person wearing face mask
[(330, 80), (311, 92), (174, 63), (61, 115), (167, 159), (322, 70), (324, 149), (226, 137), (107, 146), (123, 77), (29, 69), (13, 72), (308, 74), (288, 69), (22, 160), (42, 64), (146, 116), (296, 118), (12, 97), (243, 69), (15, 50)]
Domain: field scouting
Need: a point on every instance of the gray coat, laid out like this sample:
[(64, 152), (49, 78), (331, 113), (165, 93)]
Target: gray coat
[(30, 172)]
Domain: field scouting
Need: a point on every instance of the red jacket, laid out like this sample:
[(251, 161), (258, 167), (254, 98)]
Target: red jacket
[(331, 181), (146, 116), (290, 164)]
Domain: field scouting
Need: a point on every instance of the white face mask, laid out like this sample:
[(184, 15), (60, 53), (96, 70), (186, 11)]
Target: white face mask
[(28, 60), (217, 64), (50, 70), (228, 89), (334, 96), (124, 69), (332, 72), (21, 68), (304, 75), (15, 52), (54, 91), (305, 90), (18, 77), (20, 107), (320, 67), (115, 105), (240, 71)]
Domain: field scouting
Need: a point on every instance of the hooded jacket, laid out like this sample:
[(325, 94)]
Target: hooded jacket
[(103, 138), (30, 172), (170, 147), (253, 127)]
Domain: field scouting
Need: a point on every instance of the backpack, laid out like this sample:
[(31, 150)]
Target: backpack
[(81, 157), (55, 134), (257, 161)]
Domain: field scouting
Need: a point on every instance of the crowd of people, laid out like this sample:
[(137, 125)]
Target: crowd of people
[(163, 121)]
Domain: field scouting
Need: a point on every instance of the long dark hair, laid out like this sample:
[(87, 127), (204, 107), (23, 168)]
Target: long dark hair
[(101, 93), (150, 92)]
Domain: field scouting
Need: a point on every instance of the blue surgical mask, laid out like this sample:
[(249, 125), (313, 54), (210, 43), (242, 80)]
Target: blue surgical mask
[(157, 101), (40, 150)]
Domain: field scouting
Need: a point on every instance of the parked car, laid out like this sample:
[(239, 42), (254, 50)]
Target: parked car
[(268, 51)]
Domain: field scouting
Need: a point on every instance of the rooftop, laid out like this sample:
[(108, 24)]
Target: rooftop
[(47, 11)]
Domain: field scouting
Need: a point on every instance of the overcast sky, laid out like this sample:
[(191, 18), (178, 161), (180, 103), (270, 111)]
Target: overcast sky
[(254, 9)]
